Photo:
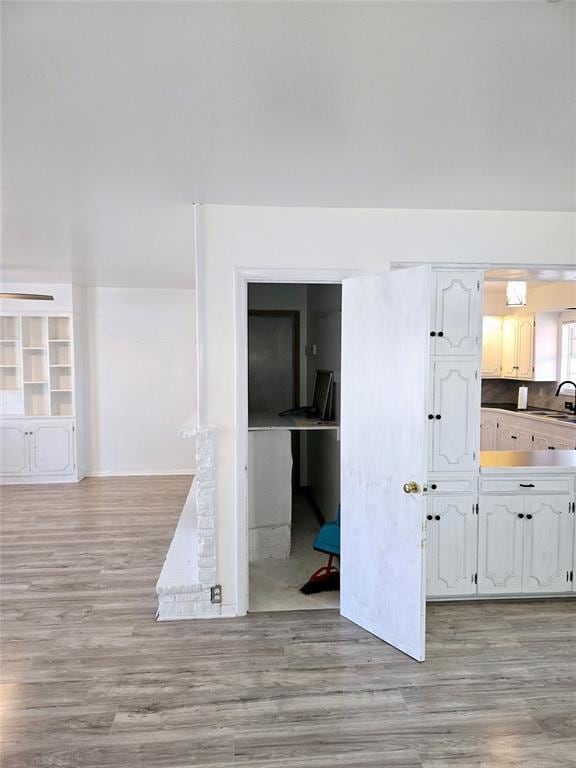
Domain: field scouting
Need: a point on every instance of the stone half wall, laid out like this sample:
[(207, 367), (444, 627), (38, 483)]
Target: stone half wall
[(189, 570)]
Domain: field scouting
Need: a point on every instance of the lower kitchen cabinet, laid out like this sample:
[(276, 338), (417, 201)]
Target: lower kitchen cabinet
[(525, 543), (37, 450), (451, 546)]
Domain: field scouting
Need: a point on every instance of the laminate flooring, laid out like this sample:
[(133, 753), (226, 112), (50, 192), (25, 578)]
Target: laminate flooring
[(91, 680)]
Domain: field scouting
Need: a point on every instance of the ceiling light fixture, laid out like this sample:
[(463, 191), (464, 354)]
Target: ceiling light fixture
[(28, 296), (516, 293)]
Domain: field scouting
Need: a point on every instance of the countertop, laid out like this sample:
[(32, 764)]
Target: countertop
[(542, 414), (529, 462), (266, 421)]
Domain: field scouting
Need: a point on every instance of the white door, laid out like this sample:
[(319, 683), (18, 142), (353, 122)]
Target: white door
[(514, 437), (451, 546), (385, 369), (488, 431), (542, 442), (491, 346), (500, 532), (14, 450), (525, 347), (547, 544), (52, 449), (457, 316), (456, 404), (509, 346)]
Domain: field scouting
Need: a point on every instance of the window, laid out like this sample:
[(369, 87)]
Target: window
[(568, 358)]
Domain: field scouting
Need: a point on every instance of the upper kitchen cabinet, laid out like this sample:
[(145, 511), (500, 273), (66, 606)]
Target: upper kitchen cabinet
[(491, 347), (529, 347), (456, 314)]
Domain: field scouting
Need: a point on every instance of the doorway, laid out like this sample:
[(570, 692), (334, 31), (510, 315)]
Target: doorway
[(293, 455)]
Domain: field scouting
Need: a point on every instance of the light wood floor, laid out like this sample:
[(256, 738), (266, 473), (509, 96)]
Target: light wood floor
[(91, 680)]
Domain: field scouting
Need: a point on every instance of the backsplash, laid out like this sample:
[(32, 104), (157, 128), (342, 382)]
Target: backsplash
[(540, 393)]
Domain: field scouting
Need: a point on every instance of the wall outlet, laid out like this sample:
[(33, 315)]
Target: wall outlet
[(216, 593)]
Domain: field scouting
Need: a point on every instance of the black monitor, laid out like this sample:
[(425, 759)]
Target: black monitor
[(322, 398)]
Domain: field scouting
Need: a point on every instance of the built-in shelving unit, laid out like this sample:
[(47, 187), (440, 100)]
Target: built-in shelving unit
[(36, 366)]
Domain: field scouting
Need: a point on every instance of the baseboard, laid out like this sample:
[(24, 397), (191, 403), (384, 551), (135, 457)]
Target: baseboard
[(141, 472)]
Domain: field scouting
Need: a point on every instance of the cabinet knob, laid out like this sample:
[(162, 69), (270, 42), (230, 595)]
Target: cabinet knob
[(433, 486), (440, 333), (520, 515), (432, 333), (428, 517), (430, 415), (438, 416), (528, 517), (437, 517)]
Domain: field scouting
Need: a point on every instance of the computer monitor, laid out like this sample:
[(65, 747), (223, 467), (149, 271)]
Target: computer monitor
[(322, 398)]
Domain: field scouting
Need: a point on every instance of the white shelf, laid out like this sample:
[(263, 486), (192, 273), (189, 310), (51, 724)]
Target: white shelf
[(8, 366), (60, 365), (37, 349), (60, 390), (59, 341)]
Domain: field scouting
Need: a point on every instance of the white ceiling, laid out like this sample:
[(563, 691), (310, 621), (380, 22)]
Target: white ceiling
[(117, 115)]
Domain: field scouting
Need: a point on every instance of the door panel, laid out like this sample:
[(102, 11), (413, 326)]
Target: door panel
[(525, 346), (547, 544), (383, 434), (500, 532), (52, 449), (456, 402), (509, 346), (451, 546), (491, 346), (14, 450), (488, 432), (458, 314)]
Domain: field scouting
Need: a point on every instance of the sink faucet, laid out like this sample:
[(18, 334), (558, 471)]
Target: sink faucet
[(569, 406)]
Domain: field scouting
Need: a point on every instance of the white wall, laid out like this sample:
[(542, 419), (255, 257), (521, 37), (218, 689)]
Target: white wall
[(345, 239), (140, 383), (552, 297)]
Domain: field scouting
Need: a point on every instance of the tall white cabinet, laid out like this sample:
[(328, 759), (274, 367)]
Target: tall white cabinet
[(38, 397)]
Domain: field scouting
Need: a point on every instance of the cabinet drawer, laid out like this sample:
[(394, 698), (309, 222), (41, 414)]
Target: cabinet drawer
[(526, 484), (440, 485)]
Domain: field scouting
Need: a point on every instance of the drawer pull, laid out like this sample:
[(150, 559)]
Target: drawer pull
[(527, 485)]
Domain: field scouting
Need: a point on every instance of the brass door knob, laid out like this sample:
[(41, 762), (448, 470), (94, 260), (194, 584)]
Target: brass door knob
[(411, 487)]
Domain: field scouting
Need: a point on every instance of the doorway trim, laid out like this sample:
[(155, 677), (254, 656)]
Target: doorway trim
[(242, 277)]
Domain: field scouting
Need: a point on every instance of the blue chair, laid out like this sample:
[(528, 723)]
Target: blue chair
[(328, 576)]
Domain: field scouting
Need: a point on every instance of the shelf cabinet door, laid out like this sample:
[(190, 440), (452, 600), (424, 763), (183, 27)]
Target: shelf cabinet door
[(457, 314), (456, 401), (500, 541), (52, 449), (548, 534), (488, 431), (509, 346), (514, 438), (491, 346), (525, 348), (14, 450), (451, 550)]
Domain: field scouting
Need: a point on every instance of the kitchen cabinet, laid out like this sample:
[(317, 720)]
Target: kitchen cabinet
[(525, 535), (529, 347), (488, 430), (491, 347), (514, 435), (454, 438), (500, 540), (456, 314), (451, 546), (38, 450)]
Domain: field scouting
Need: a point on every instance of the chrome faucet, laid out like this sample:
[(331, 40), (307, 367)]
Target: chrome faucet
[(569, 406)]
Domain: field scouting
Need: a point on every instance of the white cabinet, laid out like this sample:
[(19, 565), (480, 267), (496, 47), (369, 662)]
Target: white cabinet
[(529, 347), (454, 416), (14, 449), (488, 430), (500, 532), (491, 347), (52, 448), (547, 544), (37, 450), (526, 536), (451, 546), (456, 314), (514, 435)]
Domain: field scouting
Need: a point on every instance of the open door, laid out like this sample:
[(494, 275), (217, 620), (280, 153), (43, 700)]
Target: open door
[(385, 370)]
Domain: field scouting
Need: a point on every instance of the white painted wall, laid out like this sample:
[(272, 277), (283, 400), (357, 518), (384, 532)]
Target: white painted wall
[(140, 383), (346, 239)]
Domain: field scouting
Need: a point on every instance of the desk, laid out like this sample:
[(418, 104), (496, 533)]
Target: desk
[(270, 481)]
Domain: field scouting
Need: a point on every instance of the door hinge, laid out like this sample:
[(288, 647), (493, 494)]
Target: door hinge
[(477, 285), (571, 575), (475, 578), (216, 593), (473, 455), (476, 375), (477, 508)]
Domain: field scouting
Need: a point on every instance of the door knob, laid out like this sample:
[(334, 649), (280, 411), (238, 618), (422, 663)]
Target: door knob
[(411, 487)]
